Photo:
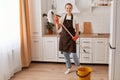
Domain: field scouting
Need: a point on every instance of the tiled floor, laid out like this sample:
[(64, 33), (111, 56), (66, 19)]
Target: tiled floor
[(55, 71)]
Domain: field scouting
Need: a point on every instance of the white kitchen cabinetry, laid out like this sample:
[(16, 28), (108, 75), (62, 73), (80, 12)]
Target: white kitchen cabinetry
[(96, 50), (100, 54), (87, 45), (50, 49), (35, 17), (36, 49), (36, 29)]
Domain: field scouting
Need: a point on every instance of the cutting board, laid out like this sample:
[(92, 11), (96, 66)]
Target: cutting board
[(87, 28)]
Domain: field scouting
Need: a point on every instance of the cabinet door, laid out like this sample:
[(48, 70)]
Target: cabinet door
[(100, 51), (50, 48), (35, 17), (87, 45), (36, 49)]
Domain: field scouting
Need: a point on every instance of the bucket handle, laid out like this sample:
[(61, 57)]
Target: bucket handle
[(82, 76)]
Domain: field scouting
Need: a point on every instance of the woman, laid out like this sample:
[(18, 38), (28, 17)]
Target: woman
[(67, 43)]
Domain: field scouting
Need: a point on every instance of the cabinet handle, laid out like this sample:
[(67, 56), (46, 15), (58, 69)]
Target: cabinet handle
[(86, 42), (87, 52), (87, 47), (99, 41), (49, 41), (35, 32), (35, 41), (86, 57)]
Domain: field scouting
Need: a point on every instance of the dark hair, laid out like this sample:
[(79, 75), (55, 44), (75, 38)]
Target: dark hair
[(68, 4)]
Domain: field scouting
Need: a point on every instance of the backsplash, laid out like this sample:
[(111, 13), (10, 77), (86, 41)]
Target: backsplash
[(98, 16)]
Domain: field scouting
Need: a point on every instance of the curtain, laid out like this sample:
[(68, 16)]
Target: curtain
[(10, 57), (25, 33)]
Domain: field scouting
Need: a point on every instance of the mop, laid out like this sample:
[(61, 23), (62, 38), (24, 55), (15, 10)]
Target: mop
[(50, 19)]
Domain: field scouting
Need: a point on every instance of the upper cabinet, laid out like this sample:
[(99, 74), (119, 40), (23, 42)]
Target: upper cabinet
[(35, 17)]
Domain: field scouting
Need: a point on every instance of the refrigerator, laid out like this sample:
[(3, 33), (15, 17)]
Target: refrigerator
[(114, 41)]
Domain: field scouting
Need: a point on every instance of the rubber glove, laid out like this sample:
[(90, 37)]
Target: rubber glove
[(57, 20), (75, 37)]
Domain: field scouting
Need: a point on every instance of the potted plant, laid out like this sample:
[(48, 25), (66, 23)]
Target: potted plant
[(50, 27)]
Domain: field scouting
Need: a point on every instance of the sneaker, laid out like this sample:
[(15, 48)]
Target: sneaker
[(67, 71)]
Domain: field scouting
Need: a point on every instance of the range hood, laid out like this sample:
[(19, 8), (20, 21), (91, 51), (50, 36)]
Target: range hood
[(61, 8)]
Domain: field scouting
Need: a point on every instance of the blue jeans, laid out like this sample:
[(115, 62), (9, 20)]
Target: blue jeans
[(68, 61)]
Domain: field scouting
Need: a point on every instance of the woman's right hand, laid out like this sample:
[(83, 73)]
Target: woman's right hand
[(56, 19)]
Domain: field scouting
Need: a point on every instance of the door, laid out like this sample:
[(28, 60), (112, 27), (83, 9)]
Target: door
[(114, 59), (117, 54)]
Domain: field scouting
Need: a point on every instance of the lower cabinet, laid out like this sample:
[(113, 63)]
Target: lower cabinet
[(50, 49), (100, 50), (46, 49), (96, 50), (36, 48), (86, 57)]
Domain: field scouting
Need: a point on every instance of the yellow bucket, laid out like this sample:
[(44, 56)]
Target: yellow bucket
[(84, 73)]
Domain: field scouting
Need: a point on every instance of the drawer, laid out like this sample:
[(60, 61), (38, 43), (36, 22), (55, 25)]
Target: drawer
[(85, 58), (86, 43), (86, 40)]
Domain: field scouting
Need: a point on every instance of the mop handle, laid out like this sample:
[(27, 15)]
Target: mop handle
[(81, 47), (72, 37), (67, 30)]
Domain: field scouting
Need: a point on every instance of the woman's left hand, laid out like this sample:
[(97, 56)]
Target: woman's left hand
[(75, 37)]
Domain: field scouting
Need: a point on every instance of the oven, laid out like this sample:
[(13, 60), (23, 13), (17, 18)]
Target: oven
[(60, 55)]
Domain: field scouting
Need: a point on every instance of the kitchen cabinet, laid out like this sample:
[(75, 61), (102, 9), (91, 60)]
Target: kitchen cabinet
[(87, 44), (100, 50), (36, 29), (35, 18), (96, 50), (36, 48), (42, 48), (50, 49)]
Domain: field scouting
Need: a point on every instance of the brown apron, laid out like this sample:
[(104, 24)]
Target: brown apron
[(66, 44)]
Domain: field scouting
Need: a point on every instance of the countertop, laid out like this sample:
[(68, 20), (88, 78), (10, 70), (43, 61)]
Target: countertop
[(94, 35)]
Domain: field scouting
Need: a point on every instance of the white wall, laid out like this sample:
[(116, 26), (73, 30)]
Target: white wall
[(98, 16)]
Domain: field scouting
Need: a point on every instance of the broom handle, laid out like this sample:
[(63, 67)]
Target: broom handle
[(72, 37)]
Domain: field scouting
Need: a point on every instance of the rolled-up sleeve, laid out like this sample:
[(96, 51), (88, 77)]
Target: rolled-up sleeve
[(75, 20)]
